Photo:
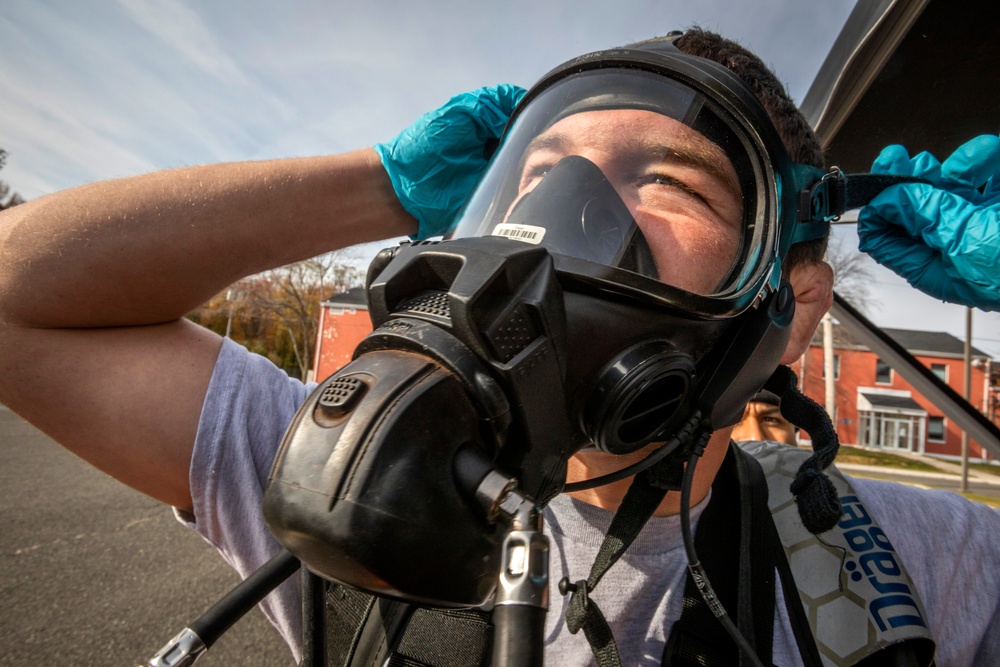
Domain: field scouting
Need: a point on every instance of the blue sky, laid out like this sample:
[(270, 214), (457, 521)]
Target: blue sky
[(101, 89)]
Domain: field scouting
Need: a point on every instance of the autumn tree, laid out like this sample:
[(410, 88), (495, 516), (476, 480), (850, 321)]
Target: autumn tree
[(276, 313), (7, 198)]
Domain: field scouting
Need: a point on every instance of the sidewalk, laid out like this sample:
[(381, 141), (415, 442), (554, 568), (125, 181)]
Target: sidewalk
[(857, 468), (954, 468), (948, 470)]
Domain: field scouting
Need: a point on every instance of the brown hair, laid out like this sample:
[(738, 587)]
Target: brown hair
[(798, 137)]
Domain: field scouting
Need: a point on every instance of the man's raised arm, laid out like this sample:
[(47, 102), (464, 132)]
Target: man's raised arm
[(148, 249), (94, 283)]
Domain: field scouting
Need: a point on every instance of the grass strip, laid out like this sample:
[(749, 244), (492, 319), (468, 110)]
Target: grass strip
[(869, 457)]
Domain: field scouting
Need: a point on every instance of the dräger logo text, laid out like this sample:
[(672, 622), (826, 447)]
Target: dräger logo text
[(871, 555)]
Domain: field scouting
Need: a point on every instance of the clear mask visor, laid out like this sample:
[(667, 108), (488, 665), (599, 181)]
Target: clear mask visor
[(633, 170)]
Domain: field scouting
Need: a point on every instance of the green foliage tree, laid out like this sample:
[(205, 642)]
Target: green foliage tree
[(7, 198), (276, 313)]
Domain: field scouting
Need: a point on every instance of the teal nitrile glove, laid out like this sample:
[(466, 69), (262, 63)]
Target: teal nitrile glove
[(942, 237), (435, 163)]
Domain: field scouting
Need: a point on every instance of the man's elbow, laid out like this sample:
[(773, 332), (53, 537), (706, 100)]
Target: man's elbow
[(14, 265)]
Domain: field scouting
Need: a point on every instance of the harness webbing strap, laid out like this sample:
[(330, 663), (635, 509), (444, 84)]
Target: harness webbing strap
[(446, 638), (793, 604), (345, 627), (856, 190), (728, 526), (755, 616), (639, 503)]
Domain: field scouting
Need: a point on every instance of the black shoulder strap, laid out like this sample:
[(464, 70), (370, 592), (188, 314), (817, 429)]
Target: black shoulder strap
[(739, 562), (344, 627)]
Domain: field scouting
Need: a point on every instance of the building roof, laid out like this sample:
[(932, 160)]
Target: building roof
[(352, 298), (927, 343), (932, 343), (891, 402), (884, 60), (841, 338)]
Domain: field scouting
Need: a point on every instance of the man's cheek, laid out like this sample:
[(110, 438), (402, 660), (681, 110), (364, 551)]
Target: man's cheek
[(706, 261)]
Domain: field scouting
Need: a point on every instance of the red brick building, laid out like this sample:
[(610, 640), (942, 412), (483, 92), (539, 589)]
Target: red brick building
[(875, 407), (343, 322)]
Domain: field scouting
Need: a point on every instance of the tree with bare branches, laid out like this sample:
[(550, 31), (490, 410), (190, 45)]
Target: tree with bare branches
[(852, 277), (852, 273), (276, 313)]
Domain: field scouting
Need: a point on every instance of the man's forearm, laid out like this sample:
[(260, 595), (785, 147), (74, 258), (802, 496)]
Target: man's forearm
[(150, 248)]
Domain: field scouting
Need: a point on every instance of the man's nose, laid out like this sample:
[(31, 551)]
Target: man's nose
[(614, 172), (601, 160), (748, 429)]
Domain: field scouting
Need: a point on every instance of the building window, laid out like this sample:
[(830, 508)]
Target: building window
[(883, 374), (935, 429), (941, 370), (836, 367)]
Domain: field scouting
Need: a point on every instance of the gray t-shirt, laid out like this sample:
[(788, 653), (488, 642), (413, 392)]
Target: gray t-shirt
[(949, 545)]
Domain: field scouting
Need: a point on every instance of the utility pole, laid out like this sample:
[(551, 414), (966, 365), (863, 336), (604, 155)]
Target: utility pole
[(229, 320), (831, 396), (968, 391)]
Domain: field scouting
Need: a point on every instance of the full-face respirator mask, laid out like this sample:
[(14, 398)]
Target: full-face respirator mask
[(613, 283)]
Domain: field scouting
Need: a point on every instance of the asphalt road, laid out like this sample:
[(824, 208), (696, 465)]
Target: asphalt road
[(93, 573)]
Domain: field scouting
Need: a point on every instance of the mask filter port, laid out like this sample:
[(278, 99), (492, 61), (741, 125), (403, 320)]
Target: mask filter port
[(638, 398)]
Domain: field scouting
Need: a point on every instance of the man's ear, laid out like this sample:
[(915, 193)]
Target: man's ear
[(812, 283)]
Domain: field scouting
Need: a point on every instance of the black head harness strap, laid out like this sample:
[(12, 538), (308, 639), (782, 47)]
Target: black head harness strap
[(815, 496)]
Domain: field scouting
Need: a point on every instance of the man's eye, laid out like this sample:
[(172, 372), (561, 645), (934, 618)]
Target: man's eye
[(537, 168), (533, 173), (670, 181)]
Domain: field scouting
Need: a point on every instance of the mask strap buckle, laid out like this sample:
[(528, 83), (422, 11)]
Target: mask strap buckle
[(835, 193), (817, 203)]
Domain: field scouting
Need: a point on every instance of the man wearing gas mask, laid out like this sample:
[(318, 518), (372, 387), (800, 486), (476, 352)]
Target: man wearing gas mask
[(649, 187)]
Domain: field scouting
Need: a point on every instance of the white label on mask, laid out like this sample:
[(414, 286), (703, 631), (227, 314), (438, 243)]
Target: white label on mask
[(526, 233)]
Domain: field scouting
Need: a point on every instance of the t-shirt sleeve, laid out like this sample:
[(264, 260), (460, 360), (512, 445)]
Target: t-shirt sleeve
[(950, 548), (247, 408)]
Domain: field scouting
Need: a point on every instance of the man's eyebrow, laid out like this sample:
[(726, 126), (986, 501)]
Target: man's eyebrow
[(707, 158), (547, 140), (544, 141)]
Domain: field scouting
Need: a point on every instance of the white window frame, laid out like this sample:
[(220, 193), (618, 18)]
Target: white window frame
[(879, 382), (944, 429), (945, 367), (836, 368)]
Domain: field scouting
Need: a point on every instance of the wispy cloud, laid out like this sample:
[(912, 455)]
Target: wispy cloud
[(119, 84), (56, 139), (181, 28)]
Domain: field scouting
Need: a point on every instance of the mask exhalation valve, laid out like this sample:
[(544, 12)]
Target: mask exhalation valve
[(638, 397)]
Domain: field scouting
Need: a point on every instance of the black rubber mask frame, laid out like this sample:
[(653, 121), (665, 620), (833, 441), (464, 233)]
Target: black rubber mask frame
[(705, 97)]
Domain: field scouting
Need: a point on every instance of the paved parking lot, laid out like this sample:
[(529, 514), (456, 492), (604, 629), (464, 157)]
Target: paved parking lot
[(94, 573)]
